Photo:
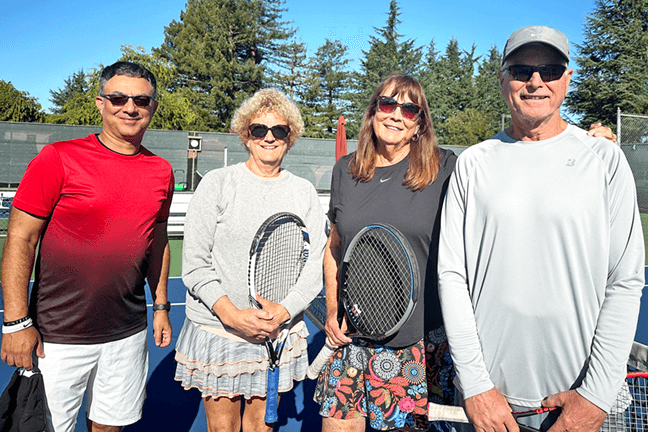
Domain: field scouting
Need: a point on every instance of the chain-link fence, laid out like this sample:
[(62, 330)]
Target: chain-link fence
[(632, 136)]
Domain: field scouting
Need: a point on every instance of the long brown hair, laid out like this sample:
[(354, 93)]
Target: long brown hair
[(424, 155)]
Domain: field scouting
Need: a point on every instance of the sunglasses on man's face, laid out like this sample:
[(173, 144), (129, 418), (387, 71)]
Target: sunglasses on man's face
[(258, 130), (525, 72), (388, 105), (121, 100)]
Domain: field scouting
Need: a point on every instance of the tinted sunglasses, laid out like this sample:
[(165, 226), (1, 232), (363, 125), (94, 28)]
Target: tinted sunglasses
[(388, 105), (121, 100), (547, 72), (258, 130)]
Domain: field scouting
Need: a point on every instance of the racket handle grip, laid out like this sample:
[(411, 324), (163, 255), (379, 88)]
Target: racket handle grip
[(316, 366), (437, 412), (272, 396)]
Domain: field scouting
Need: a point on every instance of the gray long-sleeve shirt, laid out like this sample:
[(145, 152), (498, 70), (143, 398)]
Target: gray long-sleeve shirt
[(223, 216), (541, 267)]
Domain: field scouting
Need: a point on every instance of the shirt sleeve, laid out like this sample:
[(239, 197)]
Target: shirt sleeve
[(166, 207), (458, 316), (40, 187), (617, 320), (198, 272)]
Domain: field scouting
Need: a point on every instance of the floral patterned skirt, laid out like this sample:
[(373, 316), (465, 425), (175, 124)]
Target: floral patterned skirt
[(384, 384), (389, 386), (439, 374)]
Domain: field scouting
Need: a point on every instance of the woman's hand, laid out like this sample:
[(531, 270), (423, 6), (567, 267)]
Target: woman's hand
[(335, 333), (279, 314), (253, 323)]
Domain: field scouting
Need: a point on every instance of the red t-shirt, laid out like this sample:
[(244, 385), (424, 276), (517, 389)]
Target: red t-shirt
[(102, 208)]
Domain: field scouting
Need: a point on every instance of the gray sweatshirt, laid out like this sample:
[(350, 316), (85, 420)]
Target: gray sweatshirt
[(223, 216)]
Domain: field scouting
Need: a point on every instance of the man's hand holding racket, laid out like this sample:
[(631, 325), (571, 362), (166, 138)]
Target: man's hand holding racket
[(577, 413), (490, 411)]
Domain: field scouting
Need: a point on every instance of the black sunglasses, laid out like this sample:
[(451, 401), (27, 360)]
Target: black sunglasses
[(121, 100), (388, 105), (547, 72), (259, 130)]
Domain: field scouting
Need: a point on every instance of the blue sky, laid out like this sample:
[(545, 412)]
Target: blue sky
[(42, 42)]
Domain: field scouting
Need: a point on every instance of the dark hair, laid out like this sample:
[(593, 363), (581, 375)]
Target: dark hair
[(130, 69), (424, 155)]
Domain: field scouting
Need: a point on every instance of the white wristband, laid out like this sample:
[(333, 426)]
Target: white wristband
[(17, 327)]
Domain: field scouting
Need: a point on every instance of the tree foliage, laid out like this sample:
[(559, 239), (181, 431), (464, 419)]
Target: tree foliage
[(18, 106), (219, 48), (75, 85), (612, 63), (324, 99)]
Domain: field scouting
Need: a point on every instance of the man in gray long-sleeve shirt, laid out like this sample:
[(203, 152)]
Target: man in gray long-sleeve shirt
[(541, 257)]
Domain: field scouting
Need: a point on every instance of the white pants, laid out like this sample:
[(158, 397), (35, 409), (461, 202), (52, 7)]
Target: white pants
[(114, 375)]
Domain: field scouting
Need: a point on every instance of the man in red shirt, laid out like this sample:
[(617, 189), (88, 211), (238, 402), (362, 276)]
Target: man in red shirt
[(99, 207)]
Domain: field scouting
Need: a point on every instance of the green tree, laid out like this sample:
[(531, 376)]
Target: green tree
[(387, 54), (18, 106), (76, 84), (219, 48), (290, 76), (488, 97), (612, 63), (175, 111), (466, 128), (325, 100)]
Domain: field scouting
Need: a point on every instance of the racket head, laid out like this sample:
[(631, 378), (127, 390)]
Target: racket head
[(278, 254), (380, 281), (630, 409)]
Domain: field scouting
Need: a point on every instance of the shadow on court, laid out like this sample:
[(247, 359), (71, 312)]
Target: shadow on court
[(168, 406)]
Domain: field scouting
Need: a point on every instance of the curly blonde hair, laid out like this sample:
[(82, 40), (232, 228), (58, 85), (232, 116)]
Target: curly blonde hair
[(263, 101)]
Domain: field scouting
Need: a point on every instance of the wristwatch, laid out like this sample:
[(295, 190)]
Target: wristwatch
[(165, 306)]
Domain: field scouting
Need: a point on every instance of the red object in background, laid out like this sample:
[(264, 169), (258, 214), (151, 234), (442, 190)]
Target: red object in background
[(340, 139)]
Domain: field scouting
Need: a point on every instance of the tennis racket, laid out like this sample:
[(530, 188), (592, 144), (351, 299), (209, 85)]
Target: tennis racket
[(279, 251), (379, 286), (630, 409), (628, 413)]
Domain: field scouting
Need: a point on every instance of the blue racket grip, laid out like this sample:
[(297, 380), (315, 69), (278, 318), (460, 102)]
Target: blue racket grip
[(272, 396)]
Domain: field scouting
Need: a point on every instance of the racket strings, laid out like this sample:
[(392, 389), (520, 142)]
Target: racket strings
[(279, 261), (377, 283), (630, 410)]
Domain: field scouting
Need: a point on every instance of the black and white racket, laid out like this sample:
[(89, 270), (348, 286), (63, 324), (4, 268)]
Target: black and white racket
[(279, 251), (379, 286), (628, 413)]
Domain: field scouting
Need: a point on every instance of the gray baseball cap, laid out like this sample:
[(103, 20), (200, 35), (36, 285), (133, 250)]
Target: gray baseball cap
[(534, 35)]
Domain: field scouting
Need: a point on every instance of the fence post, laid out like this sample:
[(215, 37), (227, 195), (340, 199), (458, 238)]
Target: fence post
[(618, 126)]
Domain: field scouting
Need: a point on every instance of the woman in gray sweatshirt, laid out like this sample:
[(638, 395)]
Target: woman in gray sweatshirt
[(220, 348)]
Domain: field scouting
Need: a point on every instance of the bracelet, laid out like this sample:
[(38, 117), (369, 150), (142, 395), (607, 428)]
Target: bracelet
[(18, 321), (165, 306), (21, 325)]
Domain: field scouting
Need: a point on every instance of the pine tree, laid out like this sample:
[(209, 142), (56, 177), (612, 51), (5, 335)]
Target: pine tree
[(290, 75), (612, 63), (488, 97), (451, 84), (325, 100), (219, 48), (75, 84), (387, 54), (18, 106)]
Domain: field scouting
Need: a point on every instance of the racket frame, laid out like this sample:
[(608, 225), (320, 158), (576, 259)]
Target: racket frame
[(275, 349), (346, 310)]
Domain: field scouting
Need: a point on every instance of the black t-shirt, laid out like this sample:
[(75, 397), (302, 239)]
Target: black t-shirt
[(416, 214)]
